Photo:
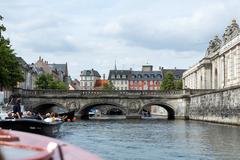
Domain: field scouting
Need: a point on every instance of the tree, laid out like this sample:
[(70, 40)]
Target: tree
[(46, 81), (168, 82), (108, 86), (10, 69), (178, 84)]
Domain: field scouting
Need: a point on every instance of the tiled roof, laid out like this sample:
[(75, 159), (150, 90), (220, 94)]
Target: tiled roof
[(146, 75), (91, 72), (59, 68), (119, 74), (177, 73)]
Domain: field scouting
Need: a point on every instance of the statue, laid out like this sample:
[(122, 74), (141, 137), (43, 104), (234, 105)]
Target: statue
[(214, 45), (231, 32)]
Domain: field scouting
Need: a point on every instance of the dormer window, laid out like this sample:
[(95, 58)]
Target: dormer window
[(146, 76)]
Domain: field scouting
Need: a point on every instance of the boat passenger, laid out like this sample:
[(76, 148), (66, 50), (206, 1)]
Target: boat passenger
[(48, 118), (10, 115), (30, 115), (17, 108)]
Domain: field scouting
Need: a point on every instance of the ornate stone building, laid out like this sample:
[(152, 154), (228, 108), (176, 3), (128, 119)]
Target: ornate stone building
[(220, 67)]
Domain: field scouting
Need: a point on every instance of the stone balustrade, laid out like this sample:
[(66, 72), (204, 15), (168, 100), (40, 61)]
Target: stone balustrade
[(24, 92)]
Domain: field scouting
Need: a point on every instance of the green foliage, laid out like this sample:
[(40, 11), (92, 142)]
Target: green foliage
[(10, 69), (108, 86), (46, 81), (178, 84), (169, 83)]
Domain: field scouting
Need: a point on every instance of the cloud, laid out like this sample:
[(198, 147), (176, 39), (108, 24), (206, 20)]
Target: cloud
[(93, 34)]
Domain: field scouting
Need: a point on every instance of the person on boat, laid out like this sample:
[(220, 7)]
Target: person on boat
[(30, 115), (10, 115), (17, 107)]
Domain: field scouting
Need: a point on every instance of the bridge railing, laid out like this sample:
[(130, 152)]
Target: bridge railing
[(98, 92)]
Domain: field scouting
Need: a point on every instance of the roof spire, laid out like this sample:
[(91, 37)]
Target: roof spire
[(115, 66)]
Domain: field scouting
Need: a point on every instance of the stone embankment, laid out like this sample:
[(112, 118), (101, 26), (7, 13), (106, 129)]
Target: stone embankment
[(221, 106)]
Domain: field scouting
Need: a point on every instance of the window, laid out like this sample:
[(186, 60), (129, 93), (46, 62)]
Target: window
[(121, 88), (159, 76), (118, 76), (125, 88), (88, 72), (112, 76), (124, 76), (139, 76), (121, 82), (133, 76), (126, 82)]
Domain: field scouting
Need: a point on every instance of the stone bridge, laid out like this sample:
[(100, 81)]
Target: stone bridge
[(130, 103)]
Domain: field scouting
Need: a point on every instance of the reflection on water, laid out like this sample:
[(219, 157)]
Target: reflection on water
[(154, 139)]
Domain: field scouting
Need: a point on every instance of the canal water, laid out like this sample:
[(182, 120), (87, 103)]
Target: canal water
[(154, 139)]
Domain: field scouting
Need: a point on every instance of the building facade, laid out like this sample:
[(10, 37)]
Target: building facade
[(88, 79), (220, 66), (29, 74), (147, 79), (120, 79)]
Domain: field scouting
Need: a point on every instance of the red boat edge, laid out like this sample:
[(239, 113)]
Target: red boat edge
[(56, 148)]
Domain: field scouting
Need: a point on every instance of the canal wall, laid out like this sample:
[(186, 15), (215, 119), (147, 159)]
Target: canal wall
[(221, 106)]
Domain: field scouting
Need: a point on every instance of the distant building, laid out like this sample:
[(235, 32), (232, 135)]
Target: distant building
[(58, 71), (29, 74), (220, 67), (74, 84), (147, 79), (120, 79), (88, 79)]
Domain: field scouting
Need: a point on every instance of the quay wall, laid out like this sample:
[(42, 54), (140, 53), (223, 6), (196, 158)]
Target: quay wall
[(221, 106)]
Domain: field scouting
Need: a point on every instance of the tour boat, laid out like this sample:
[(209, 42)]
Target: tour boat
[(32, 125), (16, 145)]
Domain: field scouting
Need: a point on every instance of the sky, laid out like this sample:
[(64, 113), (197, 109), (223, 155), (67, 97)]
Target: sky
[(95, 33)]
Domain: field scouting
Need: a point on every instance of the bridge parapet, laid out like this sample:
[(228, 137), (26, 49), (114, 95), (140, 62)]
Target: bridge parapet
[(114, 93), (34, 93)]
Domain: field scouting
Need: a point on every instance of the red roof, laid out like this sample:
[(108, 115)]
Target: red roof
[(100, 83)]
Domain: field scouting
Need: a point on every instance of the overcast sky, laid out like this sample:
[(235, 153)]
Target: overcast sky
[(94, 33)]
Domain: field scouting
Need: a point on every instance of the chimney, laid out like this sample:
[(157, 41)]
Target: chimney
[(131, 69), (103, 76)]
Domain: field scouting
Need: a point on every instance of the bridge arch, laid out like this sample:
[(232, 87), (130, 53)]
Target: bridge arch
[(170, 109), (45, 107), (114, 106)]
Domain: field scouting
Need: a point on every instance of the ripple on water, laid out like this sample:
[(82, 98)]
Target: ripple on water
[(154, 139)]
